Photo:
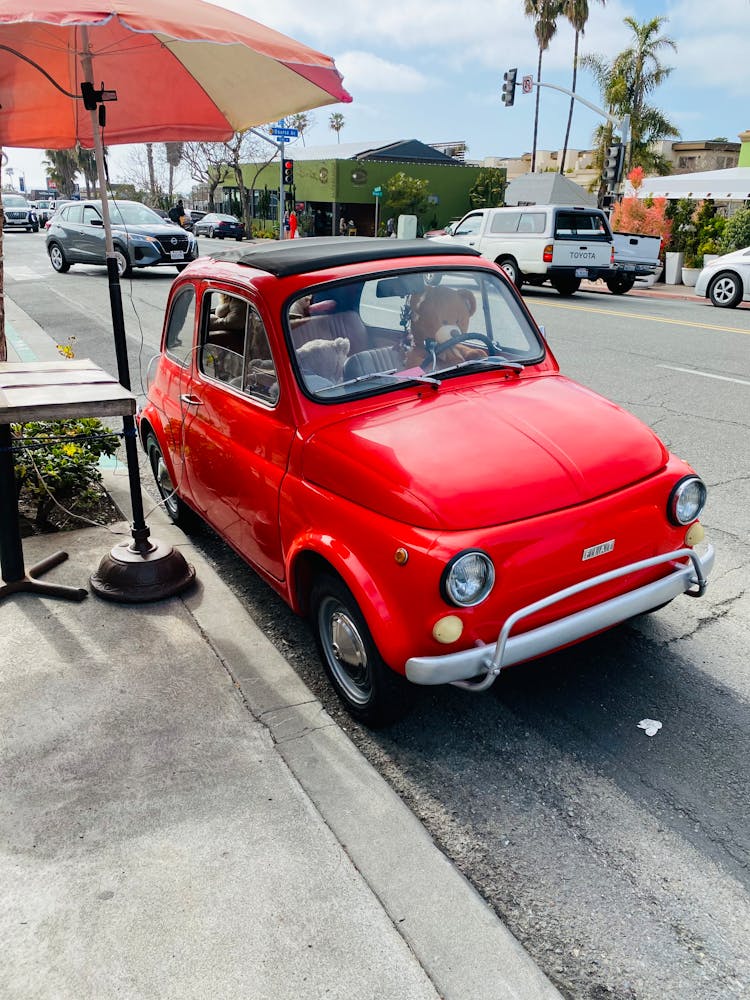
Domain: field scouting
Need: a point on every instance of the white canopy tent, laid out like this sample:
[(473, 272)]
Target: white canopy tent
[(732, 184)]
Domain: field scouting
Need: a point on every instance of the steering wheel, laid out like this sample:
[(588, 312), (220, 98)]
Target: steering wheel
[(452, 341)]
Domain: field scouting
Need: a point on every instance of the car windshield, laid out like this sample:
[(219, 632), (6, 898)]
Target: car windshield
[(15, 201), (376, 333), (133, 214)]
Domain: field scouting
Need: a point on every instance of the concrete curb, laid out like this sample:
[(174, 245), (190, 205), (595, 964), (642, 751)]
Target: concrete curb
[(456, 937)]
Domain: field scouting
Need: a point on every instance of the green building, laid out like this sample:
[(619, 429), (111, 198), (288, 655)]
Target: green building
[(338, 181)]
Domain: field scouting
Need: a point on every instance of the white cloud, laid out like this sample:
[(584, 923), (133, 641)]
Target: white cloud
[(368, 72)]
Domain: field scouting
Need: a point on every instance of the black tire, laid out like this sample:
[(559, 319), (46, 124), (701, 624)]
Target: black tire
[(620, 284), (239, 239), (177, 510), (372, 692), (57, 258), (512, 270), (566, 286), (725, 291), (124, 267)]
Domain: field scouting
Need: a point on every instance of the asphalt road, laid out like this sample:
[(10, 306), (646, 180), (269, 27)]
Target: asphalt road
[(619, 860)]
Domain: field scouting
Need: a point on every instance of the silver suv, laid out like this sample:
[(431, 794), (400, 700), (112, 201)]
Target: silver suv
[(19, 214)]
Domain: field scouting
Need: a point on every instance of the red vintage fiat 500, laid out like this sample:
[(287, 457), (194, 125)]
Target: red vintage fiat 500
[(380, 430)]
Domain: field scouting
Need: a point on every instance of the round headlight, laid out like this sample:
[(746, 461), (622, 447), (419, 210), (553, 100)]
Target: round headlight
[(686, 500), (468, 578)]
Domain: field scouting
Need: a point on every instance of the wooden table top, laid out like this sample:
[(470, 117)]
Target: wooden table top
[(56, 390)]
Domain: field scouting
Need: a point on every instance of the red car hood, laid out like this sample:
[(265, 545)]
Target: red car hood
[(484, 455)]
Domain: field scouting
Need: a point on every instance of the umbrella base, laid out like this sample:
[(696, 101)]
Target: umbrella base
[(134, 573)]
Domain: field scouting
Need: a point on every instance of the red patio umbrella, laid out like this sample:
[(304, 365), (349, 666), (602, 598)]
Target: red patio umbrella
[(165, 70)]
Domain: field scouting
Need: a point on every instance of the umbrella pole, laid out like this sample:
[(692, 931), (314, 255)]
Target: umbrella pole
[(143, 569)]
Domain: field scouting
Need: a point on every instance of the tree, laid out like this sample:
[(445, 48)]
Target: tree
[(488, 190), (336, 123), (303, 121), (406, 195), (62, 166), (87, 165), (577, 12), (208, 164), (545, 14), (173, 156), (625, 84)]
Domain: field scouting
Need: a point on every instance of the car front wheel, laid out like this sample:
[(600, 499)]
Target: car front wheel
[(178, 511), (211, 233), (124, 268), (726, 290), (57, 258), (372, 692)]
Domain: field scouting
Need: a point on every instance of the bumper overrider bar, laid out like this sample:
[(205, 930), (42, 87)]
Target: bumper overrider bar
[(465, 668)]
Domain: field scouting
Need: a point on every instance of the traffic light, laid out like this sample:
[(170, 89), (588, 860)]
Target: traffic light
[(289, 172), (613, 164), (509, 87)]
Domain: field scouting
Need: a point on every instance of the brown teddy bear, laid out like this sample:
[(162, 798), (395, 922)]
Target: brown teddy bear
[(323, 360), (440, 313)]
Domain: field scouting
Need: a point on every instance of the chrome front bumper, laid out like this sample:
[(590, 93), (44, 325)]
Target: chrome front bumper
[(689, 577)]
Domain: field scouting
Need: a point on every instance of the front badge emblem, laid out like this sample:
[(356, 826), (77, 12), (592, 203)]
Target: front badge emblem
[(598, 550)]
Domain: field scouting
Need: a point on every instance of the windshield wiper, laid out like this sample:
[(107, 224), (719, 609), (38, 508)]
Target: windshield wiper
[(491, 361), (393, 373)]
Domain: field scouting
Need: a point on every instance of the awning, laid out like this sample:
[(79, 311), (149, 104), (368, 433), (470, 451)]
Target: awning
[(732, 184)]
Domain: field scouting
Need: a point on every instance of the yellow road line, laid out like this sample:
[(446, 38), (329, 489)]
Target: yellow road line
[(645, 316)]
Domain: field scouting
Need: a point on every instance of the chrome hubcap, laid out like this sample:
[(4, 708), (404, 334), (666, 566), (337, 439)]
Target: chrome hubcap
[(345, 652), (165, 485)]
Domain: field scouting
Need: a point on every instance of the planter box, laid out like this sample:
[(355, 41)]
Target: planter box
[(690, 275), (673, 267)]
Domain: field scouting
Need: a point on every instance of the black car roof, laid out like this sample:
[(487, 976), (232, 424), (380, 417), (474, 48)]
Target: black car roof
[(319, 252)]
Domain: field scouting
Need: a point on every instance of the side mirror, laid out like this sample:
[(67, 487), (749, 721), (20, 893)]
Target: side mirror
[(97, 222)]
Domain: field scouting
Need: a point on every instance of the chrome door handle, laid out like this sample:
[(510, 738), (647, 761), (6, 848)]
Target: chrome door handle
[(191, 400)]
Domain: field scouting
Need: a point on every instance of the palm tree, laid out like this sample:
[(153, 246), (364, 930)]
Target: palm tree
[(87, 165), (545, 14), (173, 153), (625, 84), (302, 121), (336, 123), (577, 12), (62, 166)]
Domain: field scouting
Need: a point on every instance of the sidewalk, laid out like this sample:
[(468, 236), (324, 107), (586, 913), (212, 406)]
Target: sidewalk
[(180, 819)]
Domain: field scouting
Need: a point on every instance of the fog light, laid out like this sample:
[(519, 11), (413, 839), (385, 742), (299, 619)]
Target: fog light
[(448, 629), (694, 534)]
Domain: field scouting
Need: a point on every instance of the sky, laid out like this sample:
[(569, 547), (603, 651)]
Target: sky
[(433, 71)]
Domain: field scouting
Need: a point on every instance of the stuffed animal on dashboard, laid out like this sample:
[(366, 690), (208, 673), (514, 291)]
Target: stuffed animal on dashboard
[(322, 361), (439, 314)]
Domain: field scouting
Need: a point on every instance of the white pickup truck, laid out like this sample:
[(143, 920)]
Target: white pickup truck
[(635, 255), (537, 243)]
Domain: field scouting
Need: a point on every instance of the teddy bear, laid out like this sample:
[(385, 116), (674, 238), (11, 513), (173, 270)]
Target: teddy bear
[(322, 361), (439, 314)]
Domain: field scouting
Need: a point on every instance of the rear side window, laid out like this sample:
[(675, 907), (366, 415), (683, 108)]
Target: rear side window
[(179, 339), (235, 348), (505, 222), (72, 213), (581, 225), (532, 222)]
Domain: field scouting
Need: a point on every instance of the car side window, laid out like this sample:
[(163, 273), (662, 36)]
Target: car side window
[(90, 214), (73, 213), (180, 326), (532, 222), (469, 226), (505, 222), (235, 348)]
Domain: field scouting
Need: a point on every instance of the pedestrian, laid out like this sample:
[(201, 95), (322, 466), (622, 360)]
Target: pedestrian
[(342, 226), (292, 224), (390, 228), (286, 224), (177, 213)]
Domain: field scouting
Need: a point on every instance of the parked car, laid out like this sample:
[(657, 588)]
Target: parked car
[(446, 230), (726, 280), (537, 243), (45, 209), (381, 430), (141, 237), (218, 226), (19, 214)]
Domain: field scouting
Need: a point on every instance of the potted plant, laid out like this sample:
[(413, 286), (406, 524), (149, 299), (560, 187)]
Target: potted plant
[(680, 214), (701, 238)]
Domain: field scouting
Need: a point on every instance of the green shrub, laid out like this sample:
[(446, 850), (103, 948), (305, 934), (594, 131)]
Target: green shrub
[(736, 235), (56, 462)]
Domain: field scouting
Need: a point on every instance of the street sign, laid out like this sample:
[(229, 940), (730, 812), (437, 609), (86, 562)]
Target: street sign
[(287, 133), (377, 192), (527, 84)]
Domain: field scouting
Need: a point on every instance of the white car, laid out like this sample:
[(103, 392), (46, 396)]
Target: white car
[(726, 280)]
